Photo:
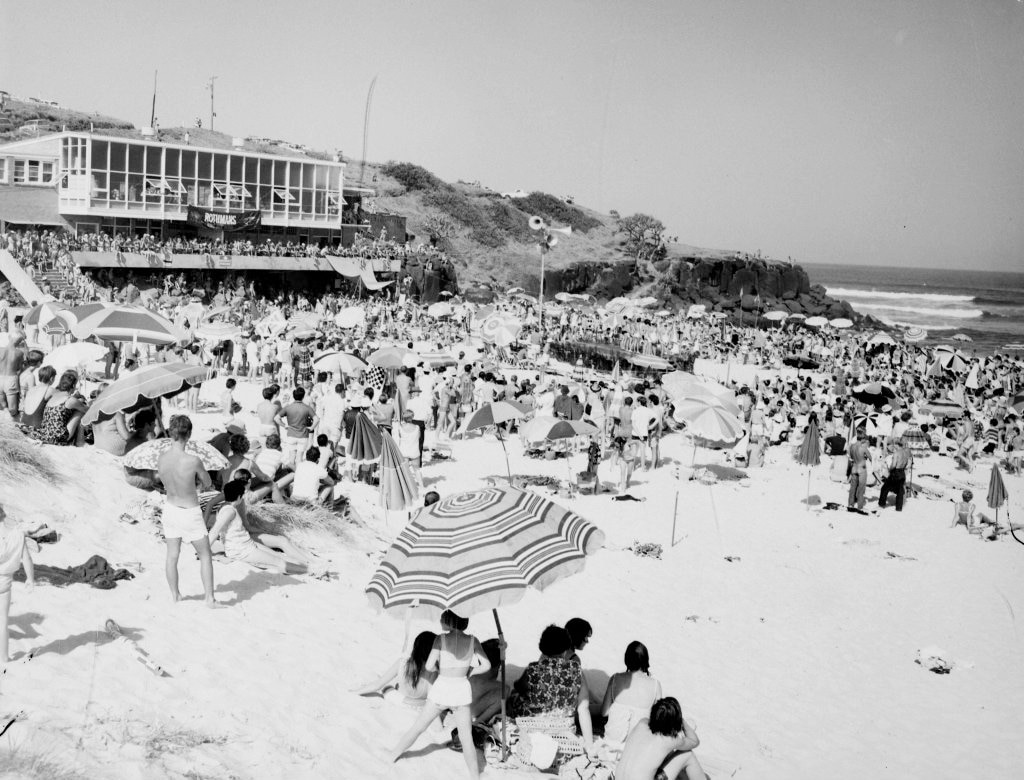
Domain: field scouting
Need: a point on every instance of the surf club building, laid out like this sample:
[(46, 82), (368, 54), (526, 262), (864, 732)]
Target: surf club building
[(190, 184)]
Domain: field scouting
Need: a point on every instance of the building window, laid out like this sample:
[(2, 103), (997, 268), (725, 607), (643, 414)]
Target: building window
[(20, 172), (3, 170), (281, 195), (46, 173)]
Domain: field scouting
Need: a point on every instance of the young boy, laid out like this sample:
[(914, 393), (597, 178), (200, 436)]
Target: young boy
[(13, 555)]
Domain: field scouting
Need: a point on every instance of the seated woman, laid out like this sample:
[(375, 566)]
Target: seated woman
[(36, 399), (660, 747), (239, 459), (63, 413), (630, 694), (110, 433), (274, 553), (408, 676), (552, 688)]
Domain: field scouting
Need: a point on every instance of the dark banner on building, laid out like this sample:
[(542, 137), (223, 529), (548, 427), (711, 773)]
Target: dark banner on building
[(216, 220)]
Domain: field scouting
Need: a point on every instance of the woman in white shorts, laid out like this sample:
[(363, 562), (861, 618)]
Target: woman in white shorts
[(239, 544), (456, 656)]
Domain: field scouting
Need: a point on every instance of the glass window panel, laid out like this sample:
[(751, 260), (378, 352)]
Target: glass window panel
[(251, 165), (265, 171), (3, 169), (188, 164), (236, 167), (220, 166), (117, 156), (100, 152), (205, 165), (307, 201), (280, 172), (117, 186), (154, 155), (334, 179), (172, 159), (135, 188), (47, 173), (135, 158)]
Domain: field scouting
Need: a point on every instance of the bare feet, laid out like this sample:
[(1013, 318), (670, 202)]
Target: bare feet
[(211, 604), (175, 597)]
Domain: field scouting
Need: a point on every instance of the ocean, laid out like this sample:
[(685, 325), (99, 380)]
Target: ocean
[(987, 306)]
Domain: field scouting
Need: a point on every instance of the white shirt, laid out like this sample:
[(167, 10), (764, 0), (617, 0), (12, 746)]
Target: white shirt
[(642, 417), (306, 486)]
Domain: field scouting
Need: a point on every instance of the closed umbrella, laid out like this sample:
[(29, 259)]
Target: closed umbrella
[(997, 494), (481, 550), (129, 323), (917, 441), (147, 455), (134, 390), (366, 443), (809, 455), (496, 413), (398, 488)]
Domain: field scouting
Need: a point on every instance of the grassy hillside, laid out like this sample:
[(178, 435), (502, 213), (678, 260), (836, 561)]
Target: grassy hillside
[(491, 243)]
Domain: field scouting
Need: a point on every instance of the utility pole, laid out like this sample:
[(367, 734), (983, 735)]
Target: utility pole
[(212, 112)]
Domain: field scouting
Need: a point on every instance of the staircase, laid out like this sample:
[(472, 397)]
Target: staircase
[(20, 280), (57, 284)]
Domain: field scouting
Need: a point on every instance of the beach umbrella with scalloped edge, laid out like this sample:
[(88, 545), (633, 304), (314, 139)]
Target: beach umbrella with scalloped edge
[(137, 388)]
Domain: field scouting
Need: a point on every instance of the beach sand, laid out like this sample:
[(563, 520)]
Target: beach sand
[(795, 659)]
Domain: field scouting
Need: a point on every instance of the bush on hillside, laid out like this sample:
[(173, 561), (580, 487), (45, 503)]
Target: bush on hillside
[(470, 213), (412, 177), (557, 210)]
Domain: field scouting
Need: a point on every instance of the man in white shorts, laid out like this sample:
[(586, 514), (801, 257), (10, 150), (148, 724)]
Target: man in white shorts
[(182, 518)]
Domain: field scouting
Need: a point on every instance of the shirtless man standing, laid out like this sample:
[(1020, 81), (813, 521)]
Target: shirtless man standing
[(182, 517), (659, 747), (12, 362)]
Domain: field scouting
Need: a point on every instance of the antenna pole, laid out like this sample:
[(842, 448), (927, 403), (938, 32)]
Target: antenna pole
[(366, 128), (152, 111), (212, 112)]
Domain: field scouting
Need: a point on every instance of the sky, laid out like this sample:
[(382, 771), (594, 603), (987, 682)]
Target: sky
[(883, 132)]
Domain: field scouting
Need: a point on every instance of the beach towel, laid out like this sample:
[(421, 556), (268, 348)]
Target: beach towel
[(95, 571)]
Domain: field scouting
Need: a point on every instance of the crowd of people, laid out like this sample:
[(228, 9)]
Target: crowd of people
[(880, 407)]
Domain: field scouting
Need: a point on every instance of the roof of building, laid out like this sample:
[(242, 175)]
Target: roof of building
[(213, 139), (30, 206)]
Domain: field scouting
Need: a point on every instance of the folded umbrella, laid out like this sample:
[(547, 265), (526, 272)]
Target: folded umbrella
[(398, 488), (809, 455), (366, 443)]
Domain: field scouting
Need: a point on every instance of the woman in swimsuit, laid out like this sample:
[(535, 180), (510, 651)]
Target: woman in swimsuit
[(455, 656), (408, 675), (630, 694)]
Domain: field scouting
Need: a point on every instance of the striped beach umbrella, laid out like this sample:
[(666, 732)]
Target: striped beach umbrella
[(43, 312), (709, 421), (682, 386), (494, 413), (875, 394), (915, 334), (952, 361), (129, 323), (366, 442), (809, 455), (916, 440), (398, 488), (217, 331), (500, 330), (480, 550), (133, 391)]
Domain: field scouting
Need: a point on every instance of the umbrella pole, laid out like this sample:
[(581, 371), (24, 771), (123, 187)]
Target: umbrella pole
[(675, 512), (504, 727), (808, 489), (508, 469)]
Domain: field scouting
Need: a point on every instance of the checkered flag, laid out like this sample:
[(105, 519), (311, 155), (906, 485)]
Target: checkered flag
[(375, 377)]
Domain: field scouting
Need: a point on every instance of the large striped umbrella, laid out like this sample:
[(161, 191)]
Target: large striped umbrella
[(875, 394), (43, 312), (954, 362), (132, 391), (809, 455), (500, 330), (129, 323), (915, 334), (481, 550), (552, 429), (682, 386), (366, 443), (398, 488), (709, 421)]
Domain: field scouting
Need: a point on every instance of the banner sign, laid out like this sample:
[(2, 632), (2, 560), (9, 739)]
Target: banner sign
[(216, 220)]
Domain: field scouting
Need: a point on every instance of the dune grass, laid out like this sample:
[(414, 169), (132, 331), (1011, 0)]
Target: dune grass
[(21, 460), (309, 522), (24, 765)]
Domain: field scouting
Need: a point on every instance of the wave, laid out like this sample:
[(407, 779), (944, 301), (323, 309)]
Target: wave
[(957, 314), (844, 292), (928, 326)]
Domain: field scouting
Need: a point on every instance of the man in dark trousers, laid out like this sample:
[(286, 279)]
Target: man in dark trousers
[(896, 481)]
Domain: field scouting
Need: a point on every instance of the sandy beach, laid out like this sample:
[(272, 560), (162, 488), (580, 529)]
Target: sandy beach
[(789, 635)]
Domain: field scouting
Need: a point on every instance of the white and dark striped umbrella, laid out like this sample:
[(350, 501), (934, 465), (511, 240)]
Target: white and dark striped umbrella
[(480, 550), (132, 391), (129, 323), (398, 488), (494, 413), (342, 362), (43, 312)]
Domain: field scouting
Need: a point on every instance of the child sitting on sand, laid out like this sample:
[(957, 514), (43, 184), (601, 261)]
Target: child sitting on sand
[(13, 555)]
